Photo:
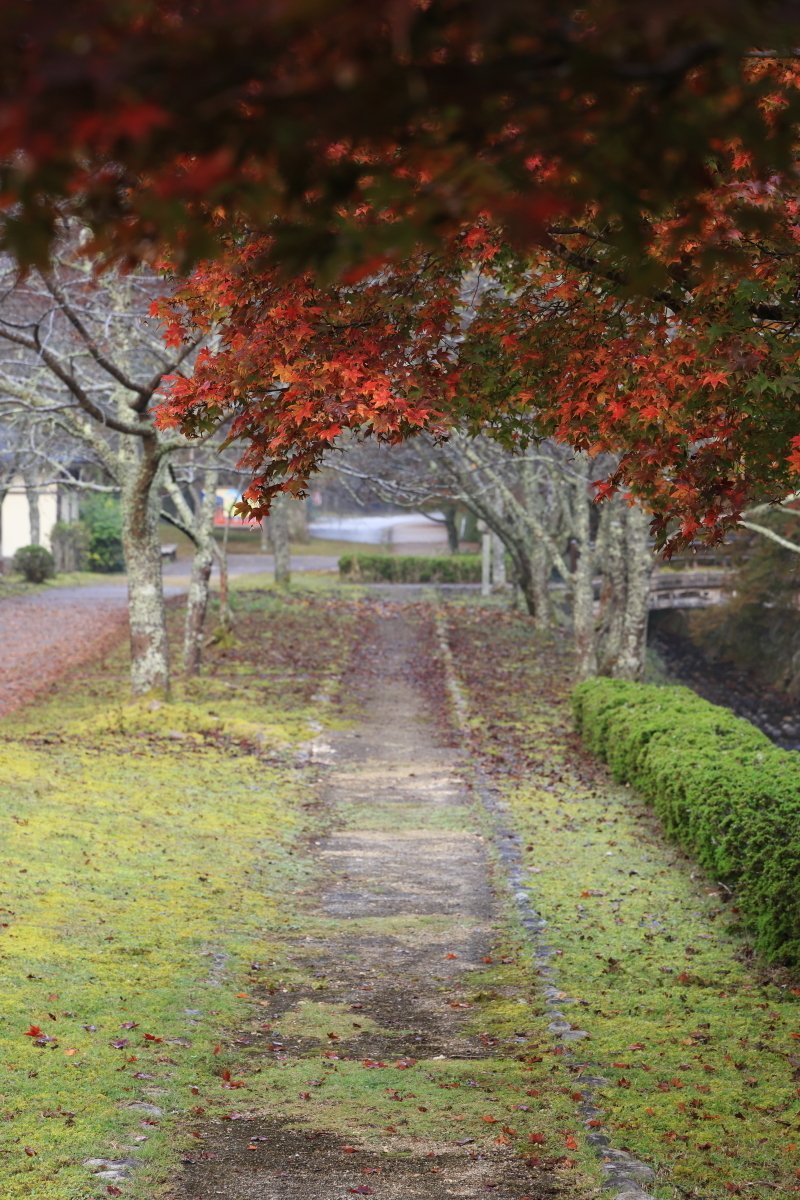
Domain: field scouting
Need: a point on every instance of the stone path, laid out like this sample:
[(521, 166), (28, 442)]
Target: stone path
[(405, 917)]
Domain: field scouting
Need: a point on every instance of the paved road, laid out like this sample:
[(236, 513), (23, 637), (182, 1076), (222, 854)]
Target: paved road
[(259, 564)]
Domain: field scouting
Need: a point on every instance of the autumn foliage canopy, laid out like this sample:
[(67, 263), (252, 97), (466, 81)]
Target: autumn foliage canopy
[(690, 381), (414, 215)]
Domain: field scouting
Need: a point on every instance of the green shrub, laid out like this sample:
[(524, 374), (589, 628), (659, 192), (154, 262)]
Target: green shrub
[(102, 515), (70, 542), (721, 788), (411, 568), (35, 563)]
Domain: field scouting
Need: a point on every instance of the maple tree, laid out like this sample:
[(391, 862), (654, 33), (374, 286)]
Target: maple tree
[(690, 381), (693, 382), (296, 363)]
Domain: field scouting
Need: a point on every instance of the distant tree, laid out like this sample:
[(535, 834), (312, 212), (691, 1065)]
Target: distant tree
[(540, 506), (81, 356)]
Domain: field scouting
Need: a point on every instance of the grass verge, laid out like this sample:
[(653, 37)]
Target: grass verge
[(699, 1040), (148, 856), (720, 786)]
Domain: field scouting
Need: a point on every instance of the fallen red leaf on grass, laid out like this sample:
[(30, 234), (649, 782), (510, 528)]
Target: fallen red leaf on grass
[(228, 1082)]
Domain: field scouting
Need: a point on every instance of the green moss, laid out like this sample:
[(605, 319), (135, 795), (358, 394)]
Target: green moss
[(326, 1023)]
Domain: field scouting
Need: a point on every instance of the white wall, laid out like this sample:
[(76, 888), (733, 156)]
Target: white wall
[(15, 517)]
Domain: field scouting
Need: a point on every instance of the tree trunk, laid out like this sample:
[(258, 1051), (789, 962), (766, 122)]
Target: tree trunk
[(523, 580), (614, 586), (499, 579), (639, 559), (531, 569), (34, 512), (451, 525), (540, 585), (225, 614), (279, 536), (537, 589), (3, 493), (141, 543), (583, 622), (199, 586)]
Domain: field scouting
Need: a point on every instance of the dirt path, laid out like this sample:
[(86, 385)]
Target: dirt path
[(400, 1094)]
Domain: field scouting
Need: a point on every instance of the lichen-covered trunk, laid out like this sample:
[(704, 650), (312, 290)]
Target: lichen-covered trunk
[(279, 537), (631, 660), (538, 561), (3, 493), (583, 619), (200, 583), (532, 568), (139, 494), (583, 623), (225, 614), (614, 586), (196, 609), (540, 585), (499, 579)]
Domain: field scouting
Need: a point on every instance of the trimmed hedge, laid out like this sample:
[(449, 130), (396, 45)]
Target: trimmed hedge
[(411, 568), (721, 788), (35, 563)]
